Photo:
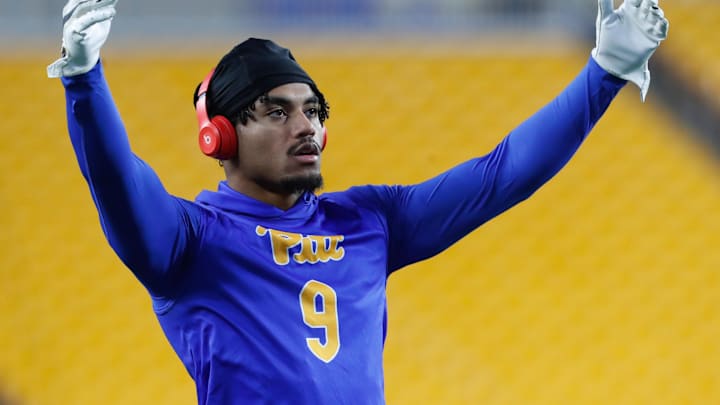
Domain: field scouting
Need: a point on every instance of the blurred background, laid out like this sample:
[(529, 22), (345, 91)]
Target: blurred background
[(602, 288)]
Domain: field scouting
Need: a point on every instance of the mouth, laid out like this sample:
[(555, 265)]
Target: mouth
[(305, 148), (306, 152)]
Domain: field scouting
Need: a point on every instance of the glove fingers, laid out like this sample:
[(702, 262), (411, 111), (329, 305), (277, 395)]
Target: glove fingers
[(655, 15), (86, 6), (83, 22), (104, 3), (660, 30), (71, 6), (658, 24), (658, 12), (643, 9), (632, 8), (605, 8), (648, 5)]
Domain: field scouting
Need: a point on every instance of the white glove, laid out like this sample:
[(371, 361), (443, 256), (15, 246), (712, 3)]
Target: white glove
[(86, 25), (627, 37)]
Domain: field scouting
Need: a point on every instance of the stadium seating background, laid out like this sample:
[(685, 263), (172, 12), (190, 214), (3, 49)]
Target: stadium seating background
[(602, 288)]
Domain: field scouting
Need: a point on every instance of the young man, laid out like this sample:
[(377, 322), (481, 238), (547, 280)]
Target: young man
[(268, 292)]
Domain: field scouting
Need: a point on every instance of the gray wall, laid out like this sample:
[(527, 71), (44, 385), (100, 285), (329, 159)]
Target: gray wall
[(160, 21)]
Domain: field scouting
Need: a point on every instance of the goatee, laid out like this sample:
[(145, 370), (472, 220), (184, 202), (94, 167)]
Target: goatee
[(297, 184)]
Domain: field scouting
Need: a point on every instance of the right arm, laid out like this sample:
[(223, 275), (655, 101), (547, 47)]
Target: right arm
[(148, 228)]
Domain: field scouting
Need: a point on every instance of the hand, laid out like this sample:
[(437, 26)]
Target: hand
[(627, 37), (86, 25)]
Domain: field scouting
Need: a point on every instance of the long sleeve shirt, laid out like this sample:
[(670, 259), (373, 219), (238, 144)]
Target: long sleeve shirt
[(264, 305)]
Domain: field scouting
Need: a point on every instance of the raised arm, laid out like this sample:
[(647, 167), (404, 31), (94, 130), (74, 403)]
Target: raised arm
[(427, 218), (148, 228)]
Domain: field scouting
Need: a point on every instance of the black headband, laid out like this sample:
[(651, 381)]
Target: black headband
[(249, 70)]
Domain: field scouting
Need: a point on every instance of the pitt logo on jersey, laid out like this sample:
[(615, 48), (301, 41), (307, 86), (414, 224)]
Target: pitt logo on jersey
[(313, 248)]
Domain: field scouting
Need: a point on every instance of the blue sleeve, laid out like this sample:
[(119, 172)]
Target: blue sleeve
[(425, 219), (148, 228)]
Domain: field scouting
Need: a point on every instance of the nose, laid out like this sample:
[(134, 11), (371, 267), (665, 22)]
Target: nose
[(303, 126)]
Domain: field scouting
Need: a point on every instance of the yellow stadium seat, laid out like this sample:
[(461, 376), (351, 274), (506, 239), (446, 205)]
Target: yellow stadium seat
[(602, 288)]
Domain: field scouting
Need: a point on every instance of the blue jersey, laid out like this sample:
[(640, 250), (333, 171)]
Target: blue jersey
[(264, 305)]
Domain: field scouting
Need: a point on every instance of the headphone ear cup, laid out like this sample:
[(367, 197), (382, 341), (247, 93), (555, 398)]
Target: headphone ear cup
[(209, 139), (228, 137), (324, 139), (217, 136), (218, 139)]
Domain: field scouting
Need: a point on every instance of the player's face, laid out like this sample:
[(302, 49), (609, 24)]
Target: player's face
[(279, 149)]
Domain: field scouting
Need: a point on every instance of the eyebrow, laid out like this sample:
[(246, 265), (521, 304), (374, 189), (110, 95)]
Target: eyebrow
[(285, 102)]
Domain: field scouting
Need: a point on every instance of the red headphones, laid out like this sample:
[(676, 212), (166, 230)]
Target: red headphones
[(217, 137)]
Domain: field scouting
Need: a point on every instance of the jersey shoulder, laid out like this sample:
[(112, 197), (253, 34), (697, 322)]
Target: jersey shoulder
[(372, 197)]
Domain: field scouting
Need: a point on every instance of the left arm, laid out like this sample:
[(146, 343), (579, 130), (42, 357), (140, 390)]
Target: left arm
[(426, 218)]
